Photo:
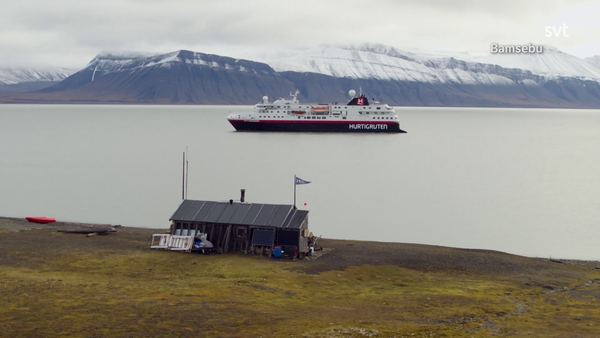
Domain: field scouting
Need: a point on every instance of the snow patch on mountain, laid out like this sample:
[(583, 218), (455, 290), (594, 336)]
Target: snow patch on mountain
[(551, 63), (375, 61), (385, 63), (10, 76), (595, 60)]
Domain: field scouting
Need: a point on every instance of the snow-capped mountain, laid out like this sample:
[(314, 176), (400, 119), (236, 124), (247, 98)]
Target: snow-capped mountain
[(388, 63), (181, 77), (408, 78), (107, 62), (9, 76)]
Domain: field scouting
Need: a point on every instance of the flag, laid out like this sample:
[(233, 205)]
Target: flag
[(301, 181)]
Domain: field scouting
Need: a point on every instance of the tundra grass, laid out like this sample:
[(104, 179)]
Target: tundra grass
[(167, 294)]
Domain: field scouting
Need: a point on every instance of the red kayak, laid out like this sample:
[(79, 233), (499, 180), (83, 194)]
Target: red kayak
[(40, 219)]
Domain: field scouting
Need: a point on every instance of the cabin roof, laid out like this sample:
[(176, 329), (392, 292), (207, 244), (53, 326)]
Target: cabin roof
[(236, 213)]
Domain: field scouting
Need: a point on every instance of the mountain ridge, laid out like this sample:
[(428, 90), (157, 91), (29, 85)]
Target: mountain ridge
[(325, 74)]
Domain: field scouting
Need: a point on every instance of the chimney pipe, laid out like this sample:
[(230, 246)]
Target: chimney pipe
[(243, 195)]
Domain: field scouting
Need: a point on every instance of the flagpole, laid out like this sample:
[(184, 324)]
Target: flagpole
[(294, 191)]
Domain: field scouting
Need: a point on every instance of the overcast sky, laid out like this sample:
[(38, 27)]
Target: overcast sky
[(69, 33)]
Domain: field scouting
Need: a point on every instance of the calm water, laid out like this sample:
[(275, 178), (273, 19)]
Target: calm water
[(521, 181)]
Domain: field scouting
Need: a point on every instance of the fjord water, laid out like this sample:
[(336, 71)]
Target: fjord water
[(523, 181)]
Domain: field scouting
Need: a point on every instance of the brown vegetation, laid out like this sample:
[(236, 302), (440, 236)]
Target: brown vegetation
[(65, 284)]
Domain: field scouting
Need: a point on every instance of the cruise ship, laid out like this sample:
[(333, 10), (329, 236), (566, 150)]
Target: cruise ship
[(358, 115)]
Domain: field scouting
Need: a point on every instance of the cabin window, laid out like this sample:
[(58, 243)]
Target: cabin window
[(240, 232), (344, 117)]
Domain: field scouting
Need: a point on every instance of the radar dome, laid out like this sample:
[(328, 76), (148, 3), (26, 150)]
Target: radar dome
[(266, 98), (352, 93)]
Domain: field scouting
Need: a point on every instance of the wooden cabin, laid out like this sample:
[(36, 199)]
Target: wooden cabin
[(249, 227)]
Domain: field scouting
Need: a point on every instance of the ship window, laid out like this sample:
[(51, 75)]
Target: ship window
[(344, 117), (378, 108)]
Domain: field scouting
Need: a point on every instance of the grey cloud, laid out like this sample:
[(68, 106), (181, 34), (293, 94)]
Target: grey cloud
[(71, 33)]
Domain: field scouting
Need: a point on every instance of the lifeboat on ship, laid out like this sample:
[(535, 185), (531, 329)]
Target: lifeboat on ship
[(298, 112), (320, 108)]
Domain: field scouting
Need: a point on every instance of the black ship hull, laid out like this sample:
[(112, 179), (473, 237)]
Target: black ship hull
[(314, 126)]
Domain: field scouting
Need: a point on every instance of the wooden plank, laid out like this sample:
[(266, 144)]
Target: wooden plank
[(226, 238)]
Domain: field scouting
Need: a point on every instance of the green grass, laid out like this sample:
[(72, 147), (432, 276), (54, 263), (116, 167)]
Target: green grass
[(167, 294)]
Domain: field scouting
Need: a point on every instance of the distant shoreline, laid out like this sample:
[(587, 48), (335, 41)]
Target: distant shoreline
[(16, 224)]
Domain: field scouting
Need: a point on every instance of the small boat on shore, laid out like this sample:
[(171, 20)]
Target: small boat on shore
[(40, 219)]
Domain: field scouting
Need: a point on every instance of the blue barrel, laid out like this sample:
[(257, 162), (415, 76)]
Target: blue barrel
[(277, 252)]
